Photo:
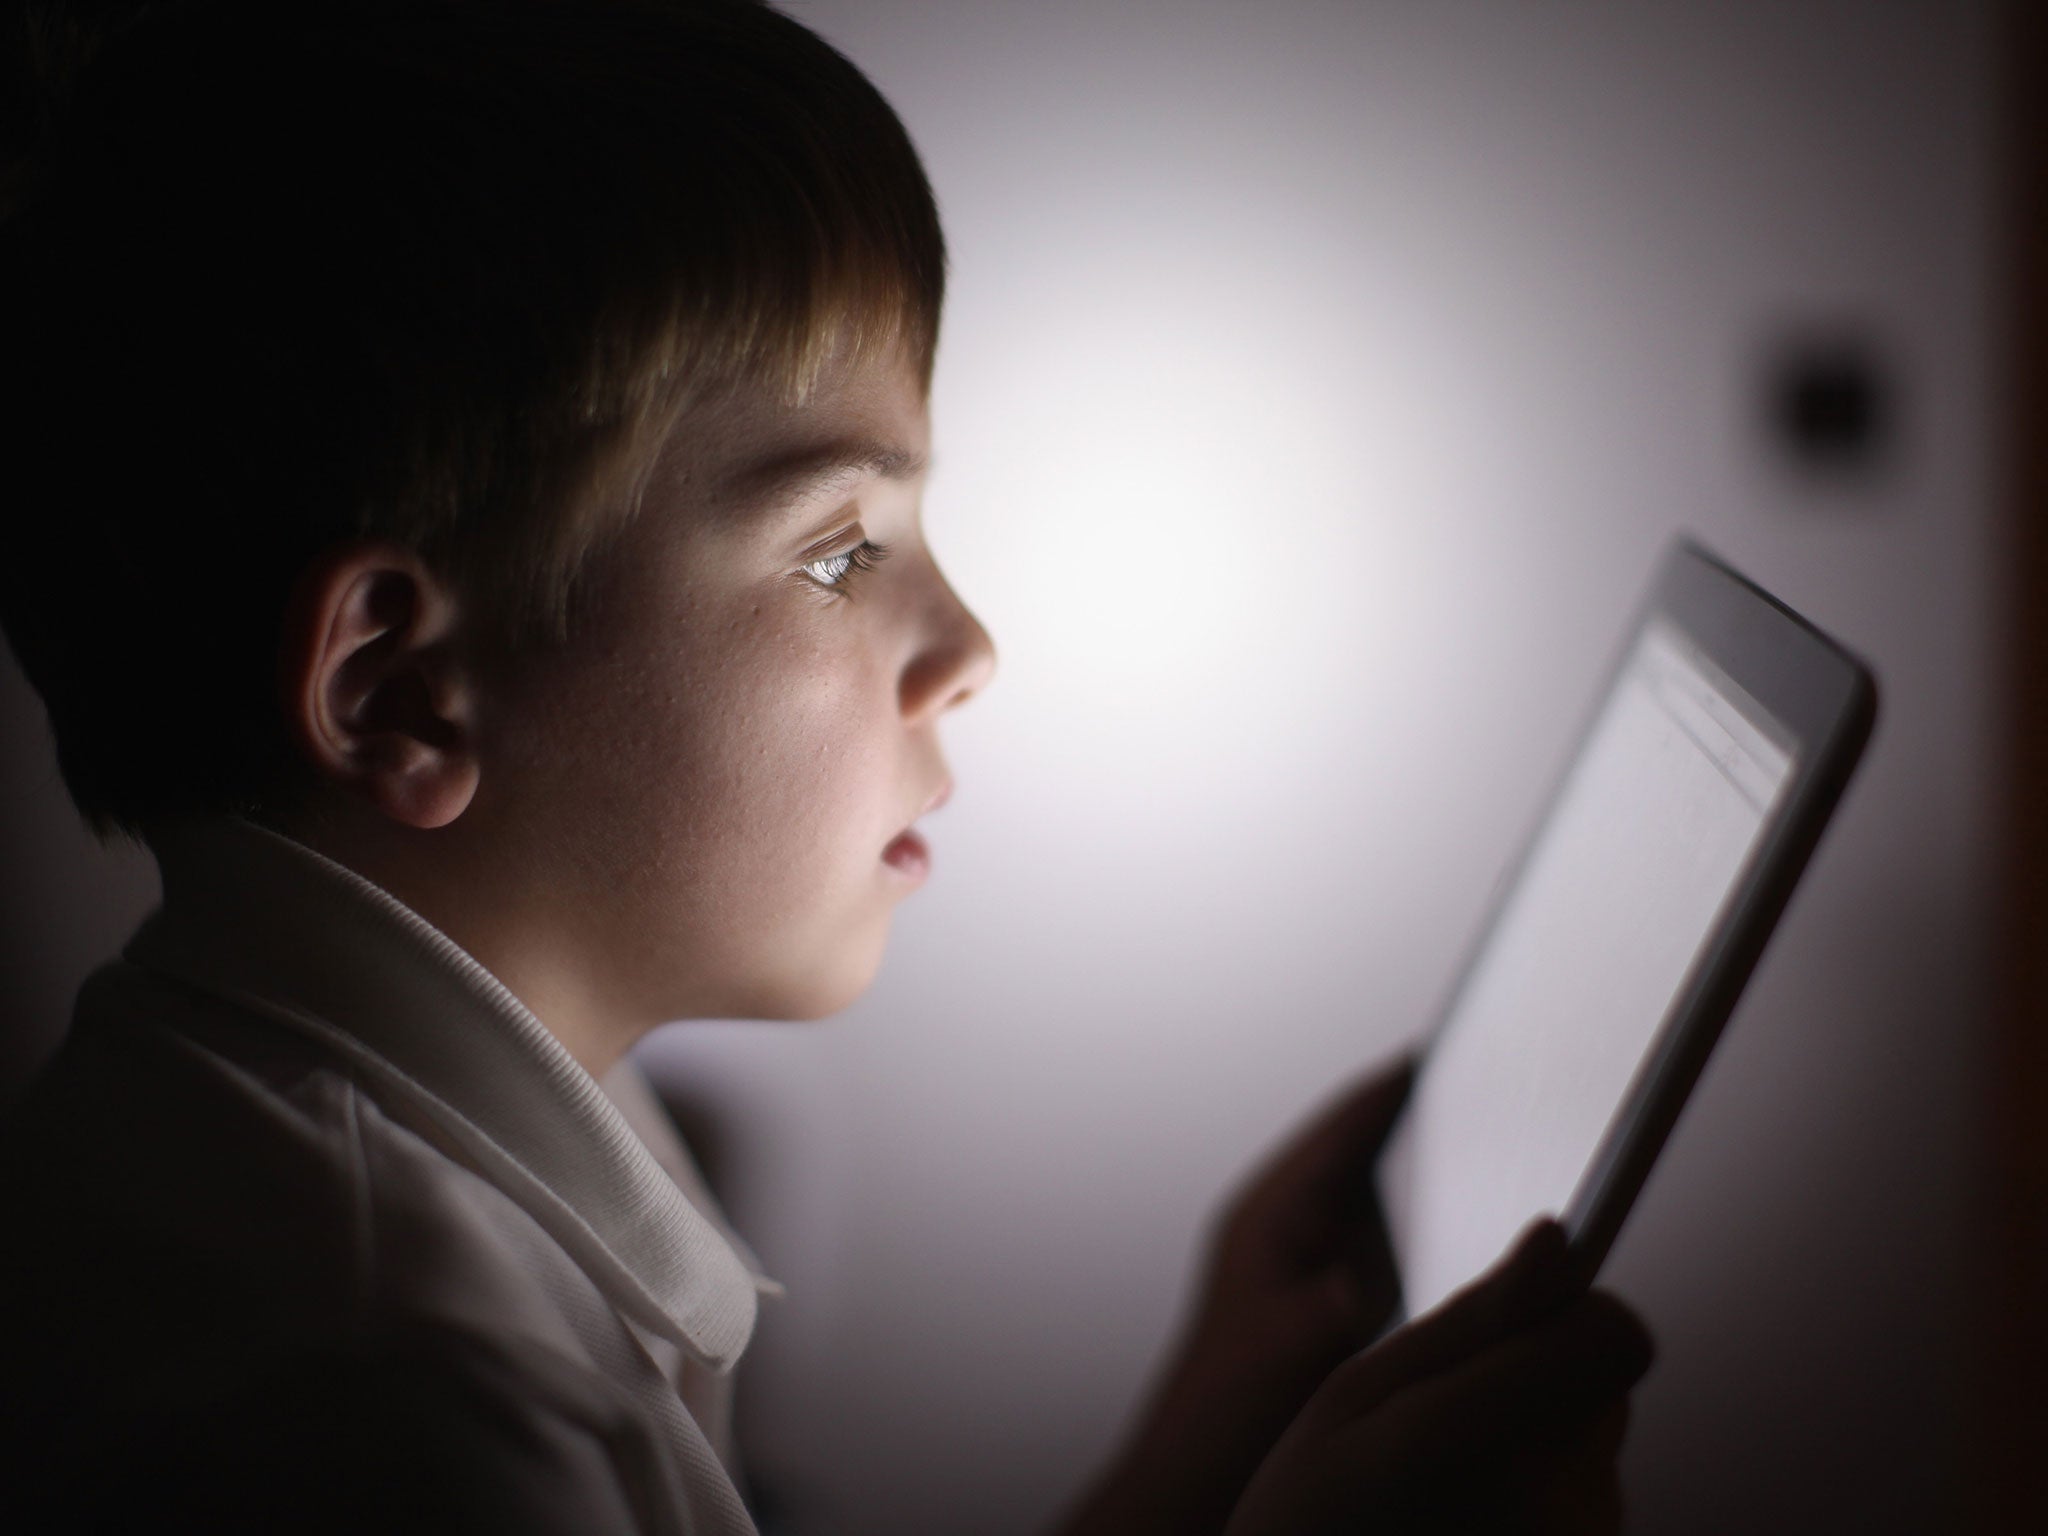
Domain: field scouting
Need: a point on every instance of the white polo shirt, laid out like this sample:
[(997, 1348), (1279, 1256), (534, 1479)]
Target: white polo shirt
[(312, 1225)]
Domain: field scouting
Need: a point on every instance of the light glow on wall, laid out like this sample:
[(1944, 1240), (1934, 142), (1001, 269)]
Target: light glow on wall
[(1318, 385)]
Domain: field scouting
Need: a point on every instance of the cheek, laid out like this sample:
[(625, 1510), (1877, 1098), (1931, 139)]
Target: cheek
[(767, 743)]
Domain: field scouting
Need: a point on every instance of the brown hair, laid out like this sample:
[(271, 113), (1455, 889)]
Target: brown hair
[(443, 271)]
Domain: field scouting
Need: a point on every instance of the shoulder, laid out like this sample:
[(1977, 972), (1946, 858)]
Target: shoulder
[(176, 1170), (415, 1430), (195, 1195), (235, 1275)]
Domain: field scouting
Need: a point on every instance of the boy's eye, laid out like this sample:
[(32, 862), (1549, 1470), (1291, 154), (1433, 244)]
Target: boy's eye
[(837, 570)]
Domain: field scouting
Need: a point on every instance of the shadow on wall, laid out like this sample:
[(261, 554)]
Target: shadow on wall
[(66, 903)]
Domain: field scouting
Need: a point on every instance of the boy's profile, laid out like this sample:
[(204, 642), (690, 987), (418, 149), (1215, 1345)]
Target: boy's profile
[(475, 451)]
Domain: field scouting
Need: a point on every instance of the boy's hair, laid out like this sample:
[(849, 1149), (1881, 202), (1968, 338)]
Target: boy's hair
[(279, 275)]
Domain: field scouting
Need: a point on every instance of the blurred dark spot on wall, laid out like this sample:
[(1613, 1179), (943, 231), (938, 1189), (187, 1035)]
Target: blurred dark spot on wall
[(1831, 404)]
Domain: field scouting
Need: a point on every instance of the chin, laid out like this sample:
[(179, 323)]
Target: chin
[(820, 991)]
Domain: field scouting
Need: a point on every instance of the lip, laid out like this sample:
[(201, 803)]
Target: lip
[(907, 852)]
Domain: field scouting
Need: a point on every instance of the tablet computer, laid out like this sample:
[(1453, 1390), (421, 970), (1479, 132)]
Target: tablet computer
[(1625, 931)]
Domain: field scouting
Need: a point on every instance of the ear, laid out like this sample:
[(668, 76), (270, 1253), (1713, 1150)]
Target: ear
[(374, 691)]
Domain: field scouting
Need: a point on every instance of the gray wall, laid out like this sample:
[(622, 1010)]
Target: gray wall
[(1320, 383)]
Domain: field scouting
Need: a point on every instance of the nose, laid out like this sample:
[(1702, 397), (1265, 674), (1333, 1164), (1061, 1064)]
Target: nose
[(955, 660)]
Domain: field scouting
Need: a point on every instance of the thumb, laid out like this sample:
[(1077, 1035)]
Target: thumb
[(1534, 1277), (1346, 1137)]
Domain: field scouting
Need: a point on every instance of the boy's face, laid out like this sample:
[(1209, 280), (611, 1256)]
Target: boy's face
[(721, 772)]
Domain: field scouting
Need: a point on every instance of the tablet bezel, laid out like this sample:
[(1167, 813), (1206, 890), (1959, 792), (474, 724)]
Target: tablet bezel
[(1825, 699)]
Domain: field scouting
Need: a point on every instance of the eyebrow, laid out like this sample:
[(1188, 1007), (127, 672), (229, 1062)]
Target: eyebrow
[(802, 475)]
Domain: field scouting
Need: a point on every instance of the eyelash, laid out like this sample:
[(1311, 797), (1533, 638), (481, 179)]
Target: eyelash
[(864, 556)]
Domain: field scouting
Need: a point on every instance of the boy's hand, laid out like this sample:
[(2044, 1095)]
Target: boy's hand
[(1300, 1278), (1501, 1411)]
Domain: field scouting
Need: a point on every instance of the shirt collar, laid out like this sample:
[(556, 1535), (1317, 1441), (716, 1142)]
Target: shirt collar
[(262, 920)]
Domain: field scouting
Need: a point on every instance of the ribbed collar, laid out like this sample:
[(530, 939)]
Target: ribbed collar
[(259, 919)]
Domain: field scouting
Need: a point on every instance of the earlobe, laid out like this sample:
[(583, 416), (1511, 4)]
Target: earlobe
[(372, 686)]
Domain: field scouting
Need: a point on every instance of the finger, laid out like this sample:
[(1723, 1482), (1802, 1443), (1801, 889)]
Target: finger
[(1574, 1474), (1355, 1125), (1535, 1275), (1603, 1438), (1558, 1374), (1330, 1160)]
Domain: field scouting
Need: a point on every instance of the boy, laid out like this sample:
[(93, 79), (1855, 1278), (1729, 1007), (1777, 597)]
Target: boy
[(478, 446)]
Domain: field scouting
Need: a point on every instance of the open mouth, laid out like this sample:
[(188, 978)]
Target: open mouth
[(908, 854)]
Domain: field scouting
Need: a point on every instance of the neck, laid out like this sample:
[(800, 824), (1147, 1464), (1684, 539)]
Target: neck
[(451, 878)]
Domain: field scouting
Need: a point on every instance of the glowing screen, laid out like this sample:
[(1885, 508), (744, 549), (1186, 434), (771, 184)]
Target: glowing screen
[(1643, 850)]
